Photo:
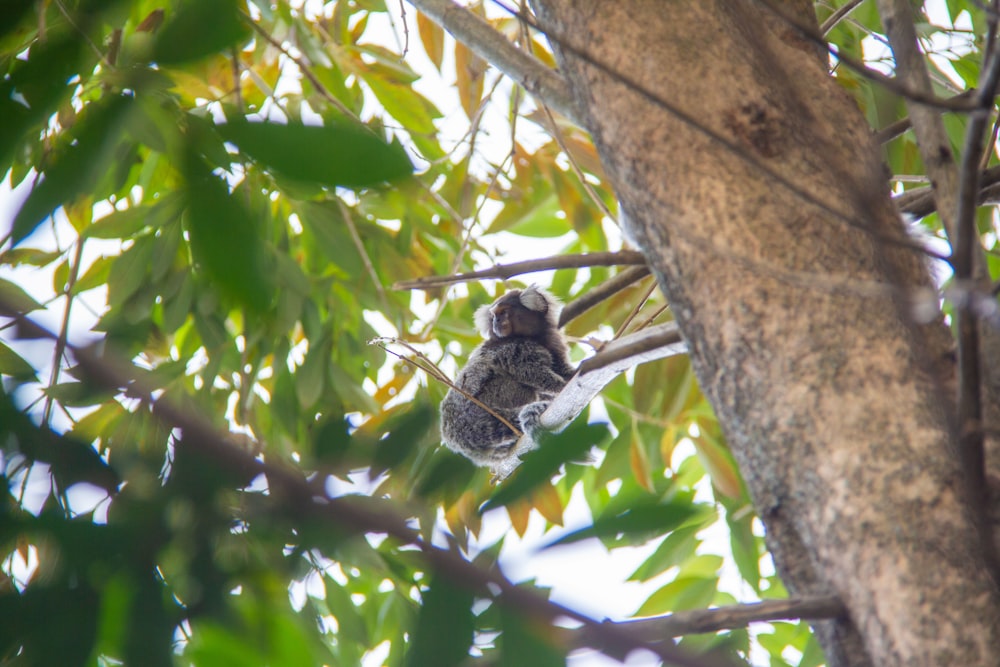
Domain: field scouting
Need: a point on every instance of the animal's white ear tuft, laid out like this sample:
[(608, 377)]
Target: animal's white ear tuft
[(539, 300), (483, 320), (535, 298)]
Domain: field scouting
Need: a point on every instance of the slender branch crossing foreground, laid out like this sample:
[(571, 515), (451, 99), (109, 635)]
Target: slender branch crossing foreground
[(356, 514), (737, 616), (505, 271)]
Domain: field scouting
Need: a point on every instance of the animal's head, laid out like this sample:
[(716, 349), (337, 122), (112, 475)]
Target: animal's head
[(528, 312)]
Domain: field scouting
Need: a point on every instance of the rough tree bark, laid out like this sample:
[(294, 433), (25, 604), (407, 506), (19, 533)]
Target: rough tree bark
[(769, 225)]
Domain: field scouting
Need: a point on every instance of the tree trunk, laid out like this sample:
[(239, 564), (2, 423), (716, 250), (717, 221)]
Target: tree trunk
[(750, 181)]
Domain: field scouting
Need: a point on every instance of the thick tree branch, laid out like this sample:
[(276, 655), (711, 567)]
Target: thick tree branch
[(634, 347), (505, 271), (964, 259), (532, 74)]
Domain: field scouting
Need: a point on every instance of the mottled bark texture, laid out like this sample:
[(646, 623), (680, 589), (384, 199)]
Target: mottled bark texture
[(780, 263)]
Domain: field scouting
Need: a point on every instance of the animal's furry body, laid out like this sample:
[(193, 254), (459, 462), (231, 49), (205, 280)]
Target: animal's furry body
[(521, 365)]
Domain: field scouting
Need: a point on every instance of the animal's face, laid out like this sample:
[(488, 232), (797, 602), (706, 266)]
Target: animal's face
[(528, 312), (502, 319)]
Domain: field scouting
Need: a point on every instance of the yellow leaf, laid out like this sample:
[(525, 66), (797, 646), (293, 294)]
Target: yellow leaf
[(392, 388), (432, 37), (667, 443), (462, 518), (519, 511), (540, 50), (639, 459), (469, 71), (468, 506), (584, 154), (546, 500), (719, 464)]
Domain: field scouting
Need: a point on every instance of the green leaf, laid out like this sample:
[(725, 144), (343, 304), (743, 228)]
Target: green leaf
[(527, 642), (448, 475), (14, 300), (77, 167), (78, 394), (331, 439), (444, 628), (325, 222), (309, 376), (680, 594), (345, 155), (96, 275), (129, 271), (540, 219), (540, 465), (636, 520), (411, 109), (744, 545), (351, 623), (404, 432), (199, 28), (13, 12), (13, 365), (225, 240), (119, 225), (29, 256), (676, 548), (34, 87)]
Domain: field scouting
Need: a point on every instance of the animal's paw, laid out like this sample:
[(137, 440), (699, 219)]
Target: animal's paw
[(529, 416)]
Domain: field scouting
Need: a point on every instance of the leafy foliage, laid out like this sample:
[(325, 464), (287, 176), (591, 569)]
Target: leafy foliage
[(224, 194)]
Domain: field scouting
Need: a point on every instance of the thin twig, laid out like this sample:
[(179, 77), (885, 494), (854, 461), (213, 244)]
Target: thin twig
[(433, 371), (305, 68), (237, 85), (652, 318), (838, 16), (736, 616), (64, 328), (670, 335), (919, 202), (605, 290), (635, 311), (892, 130), (506, 271), (473, 31), (362, 252)]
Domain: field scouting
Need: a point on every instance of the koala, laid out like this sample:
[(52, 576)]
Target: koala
[(522, 364)]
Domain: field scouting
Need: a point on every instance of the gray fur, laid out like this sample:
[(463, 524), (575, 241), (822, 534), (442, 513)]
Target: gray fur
[(523, 363)]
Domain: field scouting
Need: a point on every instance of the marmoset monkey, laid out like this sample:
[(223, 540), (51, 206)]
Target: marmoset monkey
[(521, 365)]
